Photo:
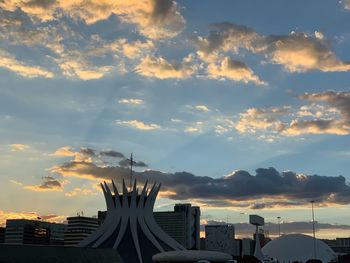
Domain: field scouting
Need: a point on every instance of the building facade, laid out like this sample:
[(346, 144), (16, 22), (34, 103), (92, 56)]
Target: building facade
[(79, 227), (182, 224), (221, 238), (2, 235), (35, 232)]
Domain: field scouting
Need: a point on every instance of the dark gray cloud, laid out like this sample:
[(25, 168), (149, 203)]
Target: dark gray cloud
[(88, 151), (48, 183), (126, 163), (112, 153), (239, 188)]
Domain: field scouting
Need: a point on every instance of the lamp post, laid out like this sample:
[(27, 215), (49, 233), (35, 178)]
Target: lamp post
[(279, 225), (313, 226)]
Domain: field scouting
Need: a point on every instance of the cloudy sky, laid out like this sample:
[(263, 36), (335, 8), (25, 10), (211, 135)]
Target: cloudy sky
[(239, 106)]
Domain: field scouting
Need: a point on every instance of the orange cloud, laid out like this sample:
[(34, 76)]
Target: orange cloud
[(11, 63), (160, 68), (18, 147), (4, 215), (234, 70)]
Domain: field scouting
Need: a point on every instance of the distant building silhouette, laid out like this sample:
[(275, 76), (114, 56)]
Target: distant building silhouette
[(24, 231), (79, 227), (222, 238), (2, 235), (182, 224)]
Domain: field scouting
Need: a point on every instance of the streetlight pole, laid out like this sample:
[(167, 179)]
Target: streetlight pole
[(313, 226), (279, 225)]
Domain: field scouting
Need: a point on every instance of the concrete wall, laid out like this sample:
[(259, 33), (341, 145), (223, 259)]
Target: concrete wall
[(50, 254)]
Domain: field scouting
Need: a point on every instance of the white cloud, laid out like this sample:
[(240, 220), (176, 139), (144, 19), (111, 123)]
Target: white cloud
[(131, 101), (139, 125), (202, 108), (18, 147)]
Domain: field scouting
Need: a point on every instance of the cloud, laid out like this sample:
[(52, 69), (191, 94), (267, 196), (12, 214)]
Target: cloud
[(111, 153), (334, 120), (126, 163), (4, 215), (76, 66), (155, 19), (202, 108), (346, 4), (48, 184), (16, 182), (63, 152), (327, 113), (297, 52), (139, 125), (131, 101), (227, 37), (268, 188), (133, 49), (234, 70), (81, 192), (9, 62), (18, 147), (160, 68), (255, 119)]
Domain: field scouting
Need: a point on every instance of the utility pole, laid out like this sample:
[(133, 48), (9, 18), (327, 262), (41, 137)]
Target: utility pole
[(279, 225), (131, 163), (313, 226)]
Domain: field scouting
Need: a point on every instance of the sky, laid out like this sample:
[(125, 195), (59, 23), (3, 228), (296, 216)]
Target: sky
[(241, 107)]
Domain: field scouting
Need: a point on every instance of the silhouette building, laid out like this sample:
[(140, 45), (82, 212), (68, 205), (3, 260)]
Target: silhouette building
[(35, 232), (182, 224), (221, 238), (79, 227)]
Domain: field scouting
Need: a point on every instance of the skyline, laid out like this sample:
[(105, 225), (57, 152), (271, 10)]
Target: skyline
[(237, 106)]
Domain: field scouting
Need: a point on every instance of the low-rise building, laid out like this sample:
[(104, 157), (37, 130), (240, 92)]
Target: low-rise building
[(79, 227), (35, 232)]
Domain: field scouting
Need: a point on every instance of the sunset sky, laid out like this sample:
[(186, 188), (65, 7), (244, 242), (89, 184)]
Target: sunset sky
[(240, 107)]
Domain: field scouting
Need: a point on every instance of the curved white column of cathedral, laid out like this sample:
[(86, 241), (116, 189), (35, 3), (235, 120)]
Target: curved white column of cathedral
[(130, 227)]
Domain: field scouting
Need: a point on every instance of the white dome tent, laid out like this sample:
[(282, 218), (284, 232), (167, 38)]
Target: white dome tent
[(298, 247)]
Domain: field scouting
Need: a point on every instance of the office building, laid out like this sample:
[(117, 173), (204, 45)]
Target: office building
[(35, 232), (79, 227), (247, 247), (221, 238), (182, 224)]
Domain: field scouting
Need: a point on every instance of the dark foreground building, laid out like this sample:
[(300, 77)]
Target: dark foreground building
[(52, 254)]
